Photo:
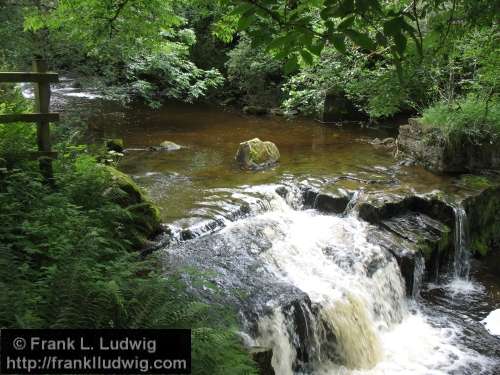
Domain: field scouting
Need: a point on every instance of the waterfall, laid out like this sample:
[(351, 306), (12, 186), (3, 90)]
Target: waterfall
[(350, 321), (352, 202), (274, 333), (418, 275), (321, 295), (357, 288), (461, 263)]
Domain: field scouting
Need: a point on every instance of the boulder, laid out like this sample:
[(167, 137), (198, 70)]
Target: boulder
[(166, 146), (145, 222), (377, 207), (255, 110), (428, 147), (256, 154), (331, 202), (115, 145)]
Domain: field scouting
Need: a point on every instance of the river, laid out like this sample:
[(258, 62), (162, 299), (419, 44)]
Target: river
[(314, 287)]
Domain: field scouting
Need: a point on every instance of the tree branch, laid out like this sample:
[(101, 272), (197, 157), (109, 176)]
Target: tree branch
[(112, 20)]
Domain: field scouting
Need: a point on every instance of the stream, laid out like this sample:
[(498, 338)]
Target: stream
[(314, 287)]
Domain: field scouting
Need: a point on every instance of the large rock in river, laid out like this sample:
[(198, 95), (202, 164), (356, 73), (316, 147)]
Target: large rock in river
[(144, 215), (256, 154)]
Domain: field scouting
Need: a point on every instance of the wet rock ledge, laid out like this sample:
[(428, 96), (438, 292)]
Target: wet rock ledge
[(420, 230), (416, 230)]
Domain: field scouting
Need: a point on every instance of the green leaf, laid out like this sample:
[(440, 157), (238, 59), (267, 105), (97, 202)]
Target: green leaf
[(345, 8), (277, 43), (317, 46), (338, 41), (245, 21), (241, 9), (394, 26), (291, 65), (306, 56), (362, 40), (400, 42), (381, 39), (365, 5), (346, 23)]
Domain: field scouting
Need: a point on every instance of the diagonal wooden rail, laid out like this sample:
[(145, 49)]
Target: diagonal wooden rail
[(43, 117)]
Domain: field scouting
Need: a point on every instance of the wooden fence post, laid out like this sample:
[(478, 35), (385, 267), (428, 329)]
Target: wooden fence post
[(42, 105)]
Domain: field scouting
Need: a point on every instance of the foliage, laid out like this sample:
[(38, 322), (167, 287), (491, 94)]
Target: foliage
[(372, 86), (16, 138), (452, 61), (168, 73), (476, 119), (254, 74), (299, 30), (149, 60)]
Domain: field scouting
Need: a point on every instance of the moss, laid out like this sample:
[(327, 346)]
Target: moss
[(479, 246), (145, 216), (484, 221), (475, 182), (445, 242), (440, 248), (425, 249), (255, 153)]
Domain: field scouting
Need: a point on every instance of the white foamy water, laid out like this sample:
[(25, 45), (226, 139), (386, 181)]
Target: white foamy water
[(415, 347), (492, 322), (359, 292), (458, 287)]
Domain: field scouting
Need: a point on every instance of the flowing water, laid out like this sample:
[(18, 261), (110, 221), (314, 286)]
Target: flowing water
[(313, 287), (461, 263)]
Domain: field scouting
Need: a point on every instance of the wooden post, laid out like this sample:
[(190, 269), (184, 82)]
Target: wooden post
[(42, 104)]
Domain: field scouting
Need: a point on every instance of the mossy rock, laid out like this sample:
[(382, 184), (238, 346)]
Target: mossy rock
[(115, 145), (145, 222), (484, 220), (256, 154)]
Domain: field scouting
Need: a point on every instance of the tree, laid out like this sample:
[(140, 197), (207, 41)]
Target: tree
[(300, 29)]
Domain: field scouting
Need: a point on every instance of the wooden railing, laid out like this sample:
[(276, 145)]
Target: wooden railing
[(43, 117)]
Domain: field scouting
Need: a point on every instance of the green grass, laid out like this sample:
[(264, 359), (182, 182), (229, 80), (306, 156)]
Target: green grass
[(474, 119)]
